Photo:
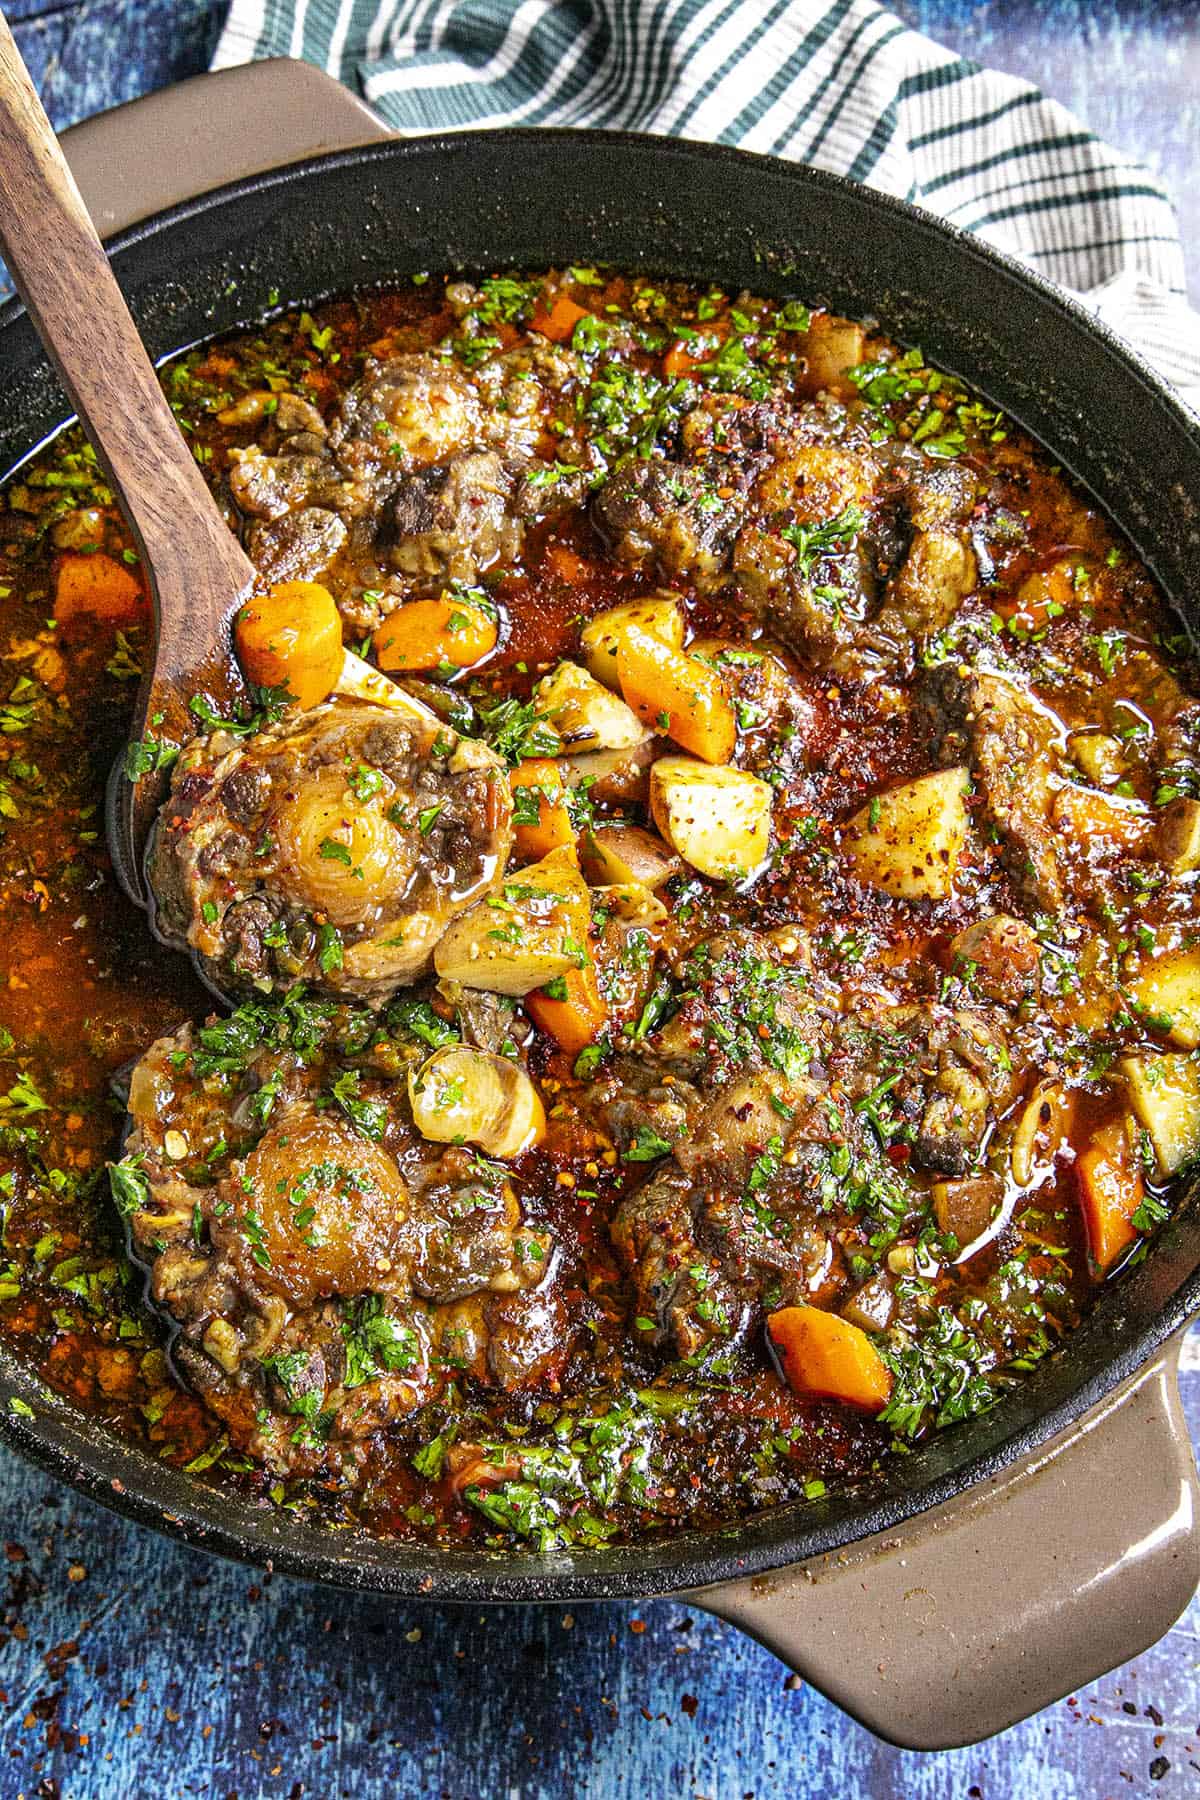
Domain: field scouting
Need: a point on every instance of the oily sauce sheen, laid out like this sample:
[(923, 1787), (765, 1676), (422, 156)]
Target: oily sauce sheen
[(926, 1072)]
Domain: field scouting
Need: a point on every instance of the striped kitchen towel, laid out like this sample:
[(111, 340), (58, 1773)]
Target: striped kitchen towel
[(842, 84)]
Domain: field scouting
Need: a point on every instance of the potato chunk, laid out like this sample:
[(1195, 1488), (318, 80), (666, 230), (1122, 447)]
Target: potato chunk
[(584, 714), (531, 932), (627, 853), (462, 1096), (660, 616), (908, 842), (629, 902), (832, 347), (719, 819), (1168, 988), (1164, 1092), (1177, 839), (1090, 816)]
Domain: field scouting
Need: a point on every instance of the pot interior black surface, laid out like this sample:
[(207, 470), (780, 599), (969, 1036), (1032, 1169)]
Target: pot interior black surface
[(532, 199)]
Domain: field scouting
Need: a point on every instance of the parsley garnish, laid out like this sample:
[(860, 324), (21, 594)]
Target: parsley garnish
[(811, 542), (940, 1374), (129, 1185), (368, 1116), (647, 1146), (375, 1342)]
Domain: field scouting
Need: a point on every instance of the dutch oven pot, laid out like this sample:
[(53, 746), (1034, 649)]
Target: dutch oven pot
[(1015, 1557)]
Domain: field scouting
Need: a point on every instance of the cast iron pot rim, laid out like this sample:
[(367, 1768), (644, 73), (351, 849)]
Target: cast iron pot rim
[(125, 1479)]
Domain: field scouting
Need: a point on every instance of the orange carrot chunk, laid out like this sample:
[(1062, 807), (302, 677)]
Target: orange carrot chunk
[(537, 786), (1110, 1192), (677, 694), (683, 359), (291, 637), (428, 634), (827, 1358), (567, 566), (96, 586), (559, 322), (571, 1011)]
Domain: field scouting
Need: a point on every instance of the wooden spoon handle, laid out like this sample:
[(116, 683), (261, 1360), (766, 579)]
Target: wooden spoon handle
[(63, 275), (197, 571)]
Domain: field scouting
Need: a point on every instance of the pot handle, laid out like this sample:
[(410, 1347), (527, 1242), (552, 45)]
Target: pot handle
[(1030, 1586), (184, 140)]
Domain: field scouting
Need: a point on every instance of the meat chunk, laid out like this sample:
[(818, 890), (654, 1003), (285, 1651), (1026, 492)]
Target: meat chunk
[(739, 1009), (529, 404), (452, 522), (731, 1225), (929, 1077), (849, 563), (462, 1225), (997, 957), (267, 487), (361, 832), (935, 578), (820, 610), (731, 1014), (406, 413), (315, 1276), (735, 438), (297, 547), (270, 487), (669, 517), (293, 414), (1011, 744), (683, 1295), (941, 496), (528, 1337)]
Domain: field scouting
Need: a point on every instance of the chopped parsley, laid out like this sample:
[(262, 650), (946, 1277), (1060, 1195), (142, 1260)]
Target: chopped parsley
[(647, 1146), (129, 1186), (376, 1343), (940, 1376), (811, 542), (367, 1116)]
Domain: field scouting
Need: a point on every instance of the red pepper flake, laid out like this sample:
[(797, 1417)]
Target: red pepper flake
[(637, 1626), (688, 1704)]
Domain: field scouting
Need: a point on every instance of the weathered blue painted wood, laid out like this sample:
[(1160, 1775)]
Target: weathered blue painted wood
[(91, 55), (130, 1667)]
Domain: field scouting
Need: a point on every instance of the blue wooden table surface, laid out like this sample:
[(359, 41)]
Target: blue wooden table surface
[(130, 1667)]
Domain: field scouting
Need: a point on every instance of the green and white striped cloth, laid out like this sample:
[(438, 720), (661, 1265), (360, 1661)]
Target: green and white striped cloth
[(841, 84)]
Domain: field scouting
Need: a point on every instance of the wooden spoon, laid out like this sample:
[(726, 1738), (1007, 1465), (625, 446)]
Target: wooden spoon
[(196, 570)]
